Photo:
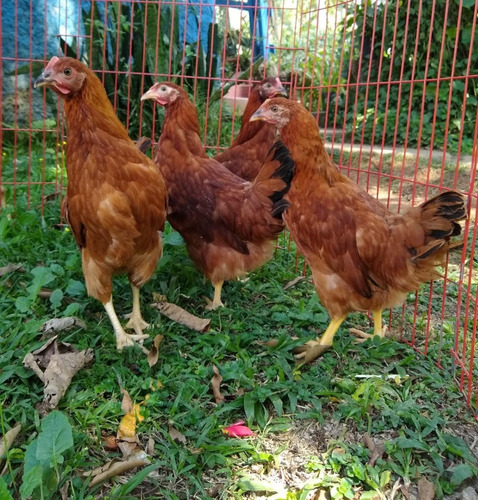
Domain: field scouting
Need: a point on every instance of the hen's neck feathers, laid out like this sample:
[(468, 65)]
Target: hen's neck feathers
[(90, 110), (181, 126), (301, 136)]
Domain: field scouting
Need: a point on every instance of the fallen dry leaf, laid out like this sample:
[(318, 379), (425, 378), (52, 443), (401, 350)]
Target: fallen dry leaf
[(181, 316), (376, 449), (45, 293), (127, 403), (60, 324), (426, 489), (11, 268), (153, 354), (115, 468), (129, 446), (269, 343), (7, 441), (294, 282), (109, 443), (176, 435), (150, 447), (216, 385), (55, 364)]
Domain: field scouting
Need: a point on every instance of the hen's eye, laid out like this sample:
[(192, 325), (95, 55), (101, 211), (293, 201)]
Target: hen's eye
[(163, 88), (67, 71), (268, 85), (274, 109)]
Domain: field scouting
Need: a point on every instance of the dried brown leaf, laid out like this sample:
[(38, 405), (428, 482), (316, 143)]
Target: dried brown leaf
[(426, 489), (176, 435), (376, 449), (109, 443), (269, 343), (45, 293), (216, 385), (11, 268), (153, 354), (55, 364), (115, 468), (181, 316), (10, 436), (127, 404), (129, 446), (150, 447), (294, 282), (60, 324)]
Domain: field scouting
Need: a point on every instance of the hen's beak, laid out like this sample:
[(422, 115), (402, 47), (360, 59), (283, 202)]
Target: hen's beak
[(280, 92), (260, 114), (150, 94), (44, 79)]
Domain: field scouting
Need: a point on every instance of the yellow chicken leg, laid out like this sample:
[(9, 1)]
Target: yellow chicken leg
[(216, 301), (122, 338), (378, 329), (314, 348), (136, 321)]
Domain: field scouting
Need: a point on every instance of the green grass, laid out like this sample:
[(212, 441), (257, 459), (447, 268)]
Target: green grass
[(309, 421)]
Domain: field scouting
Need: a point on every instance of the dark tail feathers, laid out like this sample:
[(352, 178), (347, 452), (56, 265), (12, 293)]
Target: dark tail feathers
[(143, 144), (285, 172), (440, 216)]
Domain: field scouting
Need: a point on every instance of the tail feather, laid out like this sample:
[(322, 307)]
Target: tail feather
[(143, 144), (439, 219), (275, 177)]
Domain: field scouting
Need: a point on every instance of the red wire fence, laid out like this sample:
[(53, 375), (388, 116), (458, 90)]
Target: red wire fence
[(393, 84)]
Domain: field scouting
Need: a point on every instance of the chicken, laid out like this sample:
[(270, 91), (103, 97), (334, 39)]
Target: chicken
[(247, 153), (362, 256), (229, 225), (116, 198)]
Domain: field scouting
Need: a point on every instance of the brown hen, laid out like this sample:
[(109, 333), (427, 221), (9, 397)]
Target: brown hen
[(229, 225), (247, 153), (362, 256), (116, 198)]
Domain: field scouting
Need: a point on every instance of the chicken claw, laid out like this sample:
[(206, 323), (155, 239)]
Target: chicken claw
[(310, 350), (365, 336), (136, 321), (125, 340), (216, 301), (378, 329)]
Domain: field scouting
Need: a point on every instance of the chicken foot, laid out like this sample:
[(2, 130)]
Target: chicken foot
[(378, 329), (122, 338), (216, 301), (314, 348), (136, 321)]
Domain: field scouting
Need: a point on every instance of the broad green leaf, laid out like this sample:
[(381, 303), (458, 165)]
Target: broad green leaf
[(55, 438), (460, 473), (407, 443), (369, 495), (246, 484), (385, 478), (75, 288), (277, 403), (4, 493), (173, 238), (23, 304), (71, 310), (31, 481), (249, 405), (56, 297)]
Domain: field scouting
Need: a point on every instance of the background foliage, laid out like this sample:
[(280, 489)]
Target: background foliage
[(442, 50)]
